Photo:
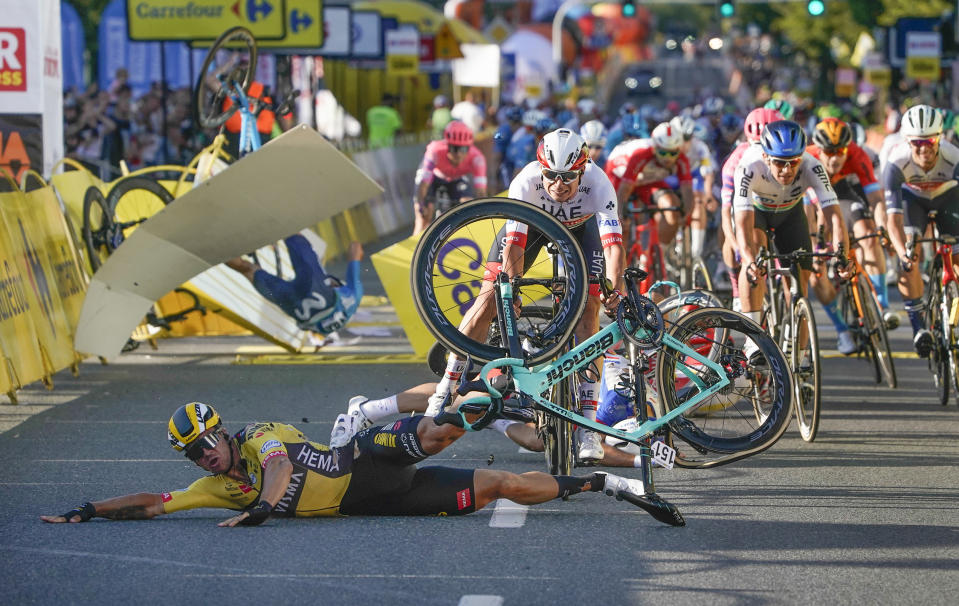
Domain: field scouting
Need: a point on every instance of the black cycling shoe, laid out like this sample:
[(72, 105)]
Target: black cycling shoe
[(516, 408), (923, 342), (656, 506)]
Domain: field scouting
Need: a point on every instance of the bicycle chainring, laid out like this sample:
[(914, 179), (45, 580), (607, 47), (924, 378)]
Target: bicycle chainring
[(641, 316)]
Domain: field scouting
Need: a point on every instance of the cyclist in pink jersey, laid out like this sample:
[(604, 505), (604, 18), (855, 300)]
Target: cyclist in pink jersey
[(453, 168)]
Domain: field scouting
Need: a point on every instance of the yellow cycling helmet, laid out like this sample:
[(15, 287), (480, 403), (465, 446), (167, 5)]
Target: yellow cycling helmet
[(189, 421), (832, 134)]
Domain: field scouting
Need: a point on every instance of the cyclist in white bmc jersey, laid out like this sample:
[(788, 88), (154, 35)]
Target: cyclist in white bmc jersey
[(919, 176), (565, 184), (768, 196)]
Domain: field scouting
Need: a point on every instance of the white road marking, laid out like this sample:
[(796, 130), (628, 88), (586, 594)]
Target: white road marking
[(508, 514), (526, 451), (108, 556), (481, 600)]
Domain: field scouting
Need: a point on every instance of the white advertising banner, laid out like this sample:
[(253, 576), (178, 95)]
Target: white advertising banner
[(31, 86), (478, 67)]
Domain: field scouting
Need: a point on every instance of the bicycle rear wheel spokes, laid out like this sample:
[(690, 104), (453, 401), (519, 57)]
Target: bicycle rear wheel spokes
[(447, 275), (134, 200), (744, 418), (233, 55), (560, 447), (875, 328), (805, 366), (97, 226)]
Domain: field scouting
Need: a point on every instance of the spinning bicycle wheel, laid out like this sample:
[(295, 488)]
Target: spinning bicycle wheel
[(743, 419), (950, 299), (232, 56), (939, 355), (98, 228), (448, 265), (699, 275), (559, 435)]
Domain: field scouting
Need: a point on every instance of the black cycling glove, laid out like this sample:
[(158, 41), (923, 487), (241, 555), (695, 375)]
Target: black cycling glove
[(85, 511), (258, 514)]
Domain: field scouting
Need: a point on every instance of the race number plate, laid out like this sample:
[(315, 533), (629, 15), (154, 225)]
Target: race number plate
[(663, 455)]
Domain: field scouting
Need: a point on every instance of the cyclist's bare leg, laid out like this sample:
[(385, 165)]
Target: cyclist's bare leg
[(697, 225), (669, 222), (751, 295), (423, 216), (529, 488)]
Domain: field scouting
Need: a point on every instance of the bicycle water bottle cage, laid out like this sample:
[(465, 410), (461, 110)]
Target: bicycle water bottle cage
[(641, 322)]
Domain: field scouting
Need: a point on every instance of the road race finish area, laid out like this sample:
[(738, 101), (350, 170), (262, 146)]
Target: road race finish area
[(292, 182)]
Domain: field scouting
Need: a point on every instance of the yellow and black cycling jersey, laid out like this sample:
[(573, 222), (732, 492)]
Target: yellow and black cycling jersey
[(319, 481)]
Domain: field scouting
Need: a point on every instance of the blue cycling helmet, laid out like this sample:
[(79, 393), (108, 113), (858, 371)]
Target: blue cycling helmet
[(634, 125), (627, 108), (514, 113), (783, 139), (731, 123), (545, 125)]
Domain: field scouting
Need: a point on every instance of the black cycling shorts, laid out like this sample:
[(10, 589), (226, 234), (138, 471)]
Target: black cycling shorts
[(790, 228), (386, 481), (853, 202), (586, 233), (915, 212)]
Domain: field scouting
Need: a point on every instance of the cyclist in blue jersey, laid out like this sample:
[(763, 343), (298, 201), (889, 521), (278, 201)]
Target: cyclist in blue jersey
[(318, 302), (617, 133), (501, 142)]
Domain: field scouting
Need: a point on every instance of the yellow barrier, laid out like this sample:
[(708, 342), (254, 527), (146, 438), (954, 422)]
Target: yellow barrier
[(41, 289)]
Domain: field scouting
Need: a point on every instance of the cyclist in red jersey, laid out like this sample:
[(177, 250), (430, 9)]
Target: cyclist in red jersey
[(649, 164), (447, 164)]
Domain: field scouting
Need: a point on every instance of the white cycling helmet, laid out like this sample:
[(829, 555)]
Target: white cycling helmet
[(562, 150), (593, 132), (665, 136), (921, 121), (685, 125), (586, 106)]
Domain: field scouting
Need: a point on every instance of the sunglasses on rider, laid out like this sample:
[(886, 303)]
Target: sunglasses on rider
[(567, 176), (667, 153), (924, 142), (195, 451), (839, 151), (458, 149), (786, 162), (596, 147)]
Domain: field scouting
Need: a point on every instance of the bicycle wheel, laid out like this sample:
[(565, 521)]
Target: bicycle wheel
[(559, 440), (97, 228), (700, 275), (939, 355), (743, 419), (134, 200), (774, 307), (447, 275), (805, 366), (950, 295), (208, 97), (875, 328)]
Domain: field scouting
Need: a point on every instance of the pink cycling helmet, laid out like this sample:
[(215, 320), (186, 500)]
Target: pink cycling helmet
[(757, 120), (457, 133)]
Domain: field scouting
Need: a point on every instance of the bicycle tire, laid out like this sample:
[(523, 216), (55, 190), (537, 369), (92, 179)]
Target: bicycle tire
[(441, 263), (950, 294), (560, 456), (97, 226), (742, 420), (938, 357), (129, 209), (879, 346), (700, 279), (806, 380), (208, 109)]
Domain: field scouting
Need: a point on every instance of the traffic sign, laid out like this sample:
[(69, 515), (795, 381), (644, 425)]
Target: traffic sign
[(204, 19), (304, 26), (446, 45)]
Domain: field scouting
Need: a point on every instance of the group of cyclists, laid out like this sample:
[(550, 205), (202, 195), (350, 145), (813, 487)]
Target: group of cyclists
[(778, 186)]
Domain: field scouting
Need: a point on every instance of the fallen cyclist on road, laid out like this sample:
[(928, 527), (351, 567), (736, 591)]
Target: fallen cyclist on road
[(272, 469)]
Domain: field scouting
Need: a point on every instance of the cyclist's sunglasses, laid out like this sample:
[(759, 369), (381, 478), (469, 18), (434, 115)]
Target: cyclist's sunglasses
[(925, 142), (458, 149), (596, 147), (785, 162), (839, 151), (567, 176), (195, 451), (667, 153)]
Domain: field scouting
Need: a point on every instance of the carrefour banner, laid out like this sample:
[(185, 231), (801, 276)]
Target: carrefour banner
[(204, 19)]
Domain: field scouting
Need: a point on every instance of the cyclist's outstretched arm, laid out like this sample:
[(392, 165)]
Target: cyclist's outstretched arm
[(140, 506)]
